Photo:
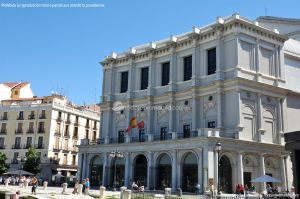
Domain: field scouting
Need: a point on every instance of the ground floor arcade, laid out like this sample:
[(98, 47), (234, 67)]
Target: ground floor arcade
[(184, 164)]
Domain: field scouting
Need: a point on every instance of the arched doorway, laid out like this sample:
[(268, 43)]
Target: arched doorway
[(96, 171), (164, 177), (119, 171), (141, 170), (225, 175), (189, 173)]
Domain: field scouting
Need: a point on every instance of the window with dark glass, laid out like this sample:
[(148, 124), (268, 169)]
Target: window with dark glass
[(124, 82), (142, 136), (211, 124), (41, 127), (163, 133), (165, 73), (17, 142), (211, 61), (121, 137), (28, 142), (186, 130), (144, 78), (21, 114), (40, 142), (187, 68), (2, 143)]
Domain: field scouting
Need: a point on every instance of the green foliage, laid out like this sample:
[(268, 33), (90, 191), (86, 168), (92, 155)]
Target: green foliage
[(3, 166), (32, 162)]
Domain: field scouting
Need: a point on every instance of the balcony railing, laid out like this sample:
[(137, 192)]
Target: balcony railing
[(57, 134), (27, 146), (31, 117), (18, 146), (3, 131), (76, 123), (30, 130), (58, 119), (39, 146), (68, 121), (2, 147), (87, 125), (56, 148), (95, 127), (19, 131), (20, 118), (67, 135), (14, 161), (41, 130), (75, 137), (54, 160), (42, 116), (3, 118)]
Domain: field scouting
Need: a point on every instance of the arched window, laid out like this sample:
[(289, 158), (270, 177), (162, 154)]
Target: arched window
[(164, 172), (189, 173), (96, 171)]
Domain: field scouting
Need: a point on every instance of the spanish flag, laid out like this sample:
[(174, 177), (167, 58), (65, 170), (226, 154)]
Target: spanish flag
[(132, 124)]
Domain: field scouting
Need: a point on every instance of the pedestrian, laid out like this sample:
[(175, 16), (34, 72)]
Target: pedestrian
[(242, 189), (238, 189), (16, 196), (76, 185), (83, 186), (87, 186), (34, 183)]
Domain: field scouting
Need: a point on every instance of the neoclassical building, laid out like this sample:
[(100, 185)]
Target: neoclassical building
[(235, 81)]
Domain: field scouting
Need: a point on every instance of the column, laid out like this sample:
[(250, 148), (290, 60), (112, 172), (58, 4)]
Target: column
[(150, 172), (281, 63), (200, 171), (173, 68), (195, 111), (174, 169), (105, 164), (279, 121), (150, 113), (240, 168), (131, 78), (151, 74), (172, 118), (220, 56), (219, 108), (283, 173), (257, 57), (216, 173), (83, 166), (127, 169), (259, 117), (111, 78), (195, 63), (262, 170)]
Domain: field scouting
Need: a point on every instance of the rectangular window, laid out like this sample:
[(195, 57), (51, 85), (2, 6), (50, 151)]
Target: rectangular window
[(17, 142), (43, 114), (144, 78), (65, 159), (40, 143), (31, 116), (211, 124), (19, 128), (187, 68), (3, 128), (5, 117), (163, 133), (28, 142), (41, 127), (66, 130), (211, 61), (2, 143), (87, 136), (121, 137), (142, 136), (21, 114), (74, 160), (66, 144), (186, 130), (165, 73), (75, 134), (124, 82), (94, 135), (30, 128), (16, 155)]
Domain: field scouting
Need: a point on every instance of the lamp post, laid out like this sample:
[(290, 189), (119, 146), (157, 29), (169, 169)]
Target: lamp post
[(21, 159), (218, 148), (115, 155)]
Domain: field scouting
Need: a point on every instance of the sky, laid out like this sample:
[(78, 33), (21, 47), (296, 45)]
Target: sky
[(59, 49)]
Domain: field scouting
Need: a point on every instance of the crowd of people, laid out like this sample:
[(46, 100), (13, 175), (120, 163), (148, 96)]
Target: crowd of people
[(85, 186), (241, 189)]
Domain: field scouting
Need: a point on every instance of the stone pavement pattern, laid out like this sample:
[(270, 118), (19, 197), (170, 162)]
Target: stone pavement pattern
[(55, 192)]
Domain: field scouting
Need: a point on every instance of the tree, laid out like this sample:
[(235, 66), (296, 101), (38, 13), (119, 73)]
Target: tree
[(32, 161), (3, 166)]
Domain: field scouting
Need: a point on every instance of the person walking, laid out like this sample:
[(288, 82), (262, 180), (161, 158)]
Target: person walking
[(87, 186), (76, 185), (83, 186), (34, 183)]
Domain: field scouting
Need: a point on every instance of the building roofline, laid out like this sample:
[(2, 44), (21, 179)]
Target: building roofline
[(281, 19), (195, 31)]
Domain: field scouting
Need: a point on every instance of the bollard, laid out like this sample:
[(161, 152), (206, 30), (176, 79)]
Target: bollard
[(102, 192), (179, 192), (127, 194), (122, 191), (45, 185), (6, 183), (10, 195), (167, 192), (65, 186), (80, 188), (26, 184)]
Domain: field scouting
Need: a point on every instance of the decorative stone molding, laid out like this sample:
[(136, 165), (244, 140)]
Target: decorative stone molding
[(161, 113), (120, 117), (209, 105), (141, 115)]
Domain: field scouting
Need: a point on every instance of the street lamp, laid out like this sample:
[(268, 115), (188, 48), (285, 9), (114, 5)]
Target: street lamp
[(115, 155), (218, 148), (21, 159)]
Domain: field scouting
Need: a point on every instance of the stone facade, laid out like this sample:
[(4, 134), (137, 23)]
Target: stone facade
[(246, 104)]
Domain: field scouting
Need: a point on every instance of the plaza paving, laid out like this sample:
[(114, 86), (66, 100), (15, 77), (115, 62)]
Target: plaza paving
[(54, 192)]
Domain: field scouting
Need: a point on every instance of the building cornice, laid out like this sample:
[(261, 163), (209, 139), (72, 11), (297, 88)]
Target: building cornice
[(227, 25)]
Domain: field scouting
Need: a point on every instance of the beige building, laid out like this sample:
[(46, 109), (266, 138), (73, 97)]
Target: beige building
[(53, 125)]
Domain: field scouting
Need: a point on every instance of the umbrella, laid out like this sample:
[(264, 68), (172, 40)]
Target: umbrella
[(19, 172), (265, 178)]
